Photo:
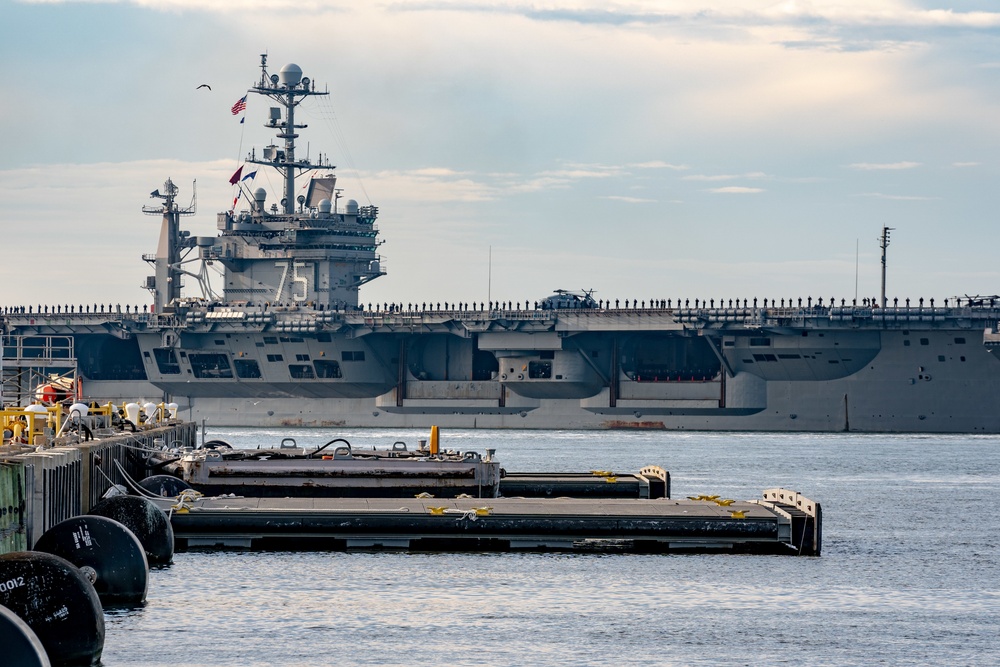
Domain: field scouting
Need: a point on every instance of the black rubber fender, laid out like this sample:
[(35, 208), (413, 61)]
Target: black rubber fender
[(166, 486), (146, 521), (54, 598), (110, 549), (22, 647)]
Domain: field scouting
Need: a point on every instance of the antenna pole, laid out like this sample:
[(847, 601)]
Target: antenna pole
[(884, 243), (489, 279)]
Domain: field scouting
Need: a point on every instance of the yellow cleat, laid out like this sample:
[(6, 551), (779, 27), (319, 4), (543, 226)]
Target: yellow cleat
[(436, 510), (725, 503), (738, 514)]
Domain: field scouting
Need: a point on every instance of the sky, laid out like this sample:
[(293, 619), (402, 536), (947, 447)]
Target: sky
[(704, 149)]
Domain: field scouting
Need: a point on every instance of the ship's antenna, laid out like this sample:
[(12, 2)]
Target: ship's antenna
[(285, 89), (884, 243), (857, 266)]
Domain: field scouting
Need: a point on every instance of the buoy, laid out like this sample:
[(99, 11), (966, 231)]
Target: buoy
[(132, 412), (79, 409), (166, 486), (106, 546), (147, 521), (57, 602), (45, 393), (21, 645)]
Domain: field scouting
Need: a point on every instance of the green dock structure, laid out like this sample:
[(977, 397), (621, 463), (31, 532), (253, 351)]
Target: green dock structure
[(13, 529), (781, 522)]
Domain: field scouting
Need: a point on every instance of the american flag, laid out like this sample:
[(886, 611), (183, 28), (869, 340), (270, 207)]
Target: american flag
[(240, 106)]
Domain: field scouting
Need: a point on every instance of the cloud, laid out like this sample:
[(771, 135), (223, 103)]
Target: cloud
[(735, 190), (630, 200), (724, 177), (883, 166), (658, 164), (857, 13), (434, 184), (880, 195)]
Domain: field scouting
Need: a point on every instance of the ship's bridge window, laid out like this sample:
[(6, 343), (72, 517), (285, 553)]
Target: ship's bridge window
[(301, 357), (925, 341), (327, 369), (959, 341), (540, 369), (300, 371), (211, 365), (547, 354), (166, 361), (760, 342), (352, 355), (271, 340), (275, 357), (247, 369)]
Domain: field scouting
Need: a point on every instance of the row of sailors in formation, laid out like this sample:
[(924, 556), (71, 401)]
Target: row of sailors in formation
[(634, 304), (15, 310), (655, 304)]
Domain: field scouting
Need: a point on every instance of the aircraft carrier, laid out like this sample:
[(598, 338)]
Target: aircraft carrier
[(290, 341)]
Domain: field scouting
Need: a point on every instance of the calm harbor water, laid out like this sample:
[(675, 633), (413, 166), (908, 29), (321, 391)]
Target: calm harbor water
[(910, 572)]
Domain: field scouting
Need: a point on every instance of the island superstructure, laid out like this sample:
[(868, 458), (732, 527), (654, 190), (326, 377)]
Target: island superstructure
[(289, 340)]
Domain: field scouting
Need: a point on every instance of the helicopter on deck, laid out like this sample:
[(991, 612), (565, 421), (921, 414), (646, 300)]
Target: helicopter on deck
[(563, 299)]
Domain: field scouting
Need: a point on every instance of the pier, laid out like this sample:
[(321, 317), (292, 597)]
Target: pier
[(42, 485), (780, 521)]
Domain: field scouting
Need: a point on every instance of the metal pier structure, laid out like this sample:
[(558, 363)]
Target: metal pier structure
[(780, 522)]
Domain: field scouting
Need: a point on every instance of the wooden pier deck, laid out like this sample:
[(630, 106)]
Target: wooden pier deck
[(781, 521)]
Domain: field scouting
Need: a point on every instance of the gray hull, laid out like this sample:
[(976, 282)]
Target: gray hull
[(910, 380)]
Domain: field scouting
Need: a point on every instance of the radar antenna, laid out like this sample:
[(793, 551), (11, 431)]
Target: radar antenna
[(884, 243), (286, 89)]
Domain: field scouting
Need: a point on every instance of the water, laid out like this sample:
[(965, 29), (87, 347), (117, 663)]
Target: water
[(910, 572)]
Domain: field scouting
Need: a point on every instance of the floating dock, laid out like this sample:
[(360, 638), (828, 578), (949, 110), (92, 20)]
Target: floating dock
[(781, 521), (651, 482)]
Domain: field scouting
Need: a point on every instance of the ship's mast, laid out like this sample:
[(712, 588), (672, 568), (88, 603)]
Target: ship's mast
[(166, 284), (285, 88), (884, 243)]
